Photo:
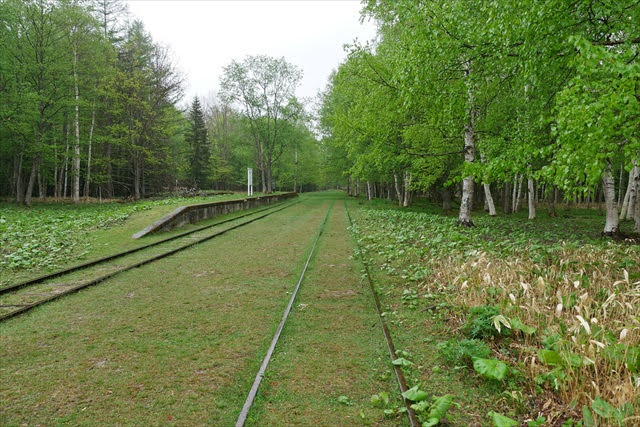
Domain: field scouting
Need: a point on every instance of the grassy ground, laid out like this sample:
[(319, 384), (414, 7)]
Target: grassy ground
[(331, 357), (548, 304), (49, 236), (172, 343), (178, 342)]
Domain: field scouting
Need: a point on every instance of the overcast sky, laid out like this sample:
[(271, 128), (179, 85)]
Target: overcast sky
[(204, 36)]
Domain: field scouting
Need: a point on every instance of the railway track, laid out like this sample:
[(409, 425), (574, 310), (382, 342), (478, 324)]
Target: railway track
[(402, 383), (242, 417), (22, 297)]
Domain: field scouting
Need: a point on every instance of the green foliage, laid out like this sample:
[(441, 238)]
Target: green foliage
[(463, 352), (500, 420), (491, 368), (198, 142), (479, 323), (414, 394)]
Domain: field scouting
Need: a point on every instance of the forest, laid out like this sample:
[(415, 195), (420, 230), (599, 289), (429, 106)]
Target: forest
[(500, 104), (481, 161), (90, 107)]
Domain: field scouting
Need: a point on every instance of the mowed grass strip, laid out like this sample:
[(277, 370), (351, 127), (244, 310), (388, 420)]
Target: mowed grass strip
[(162, 344), (331, 357)]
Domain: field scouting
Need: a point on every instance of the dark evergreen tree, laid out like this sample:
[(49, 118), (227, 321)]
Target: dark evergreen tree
[(199, 155)]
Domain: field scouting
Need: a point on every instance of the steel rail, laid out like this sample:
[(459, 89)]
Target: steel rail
[(242, 418), (40, 302), (88, 264), (402, 382)]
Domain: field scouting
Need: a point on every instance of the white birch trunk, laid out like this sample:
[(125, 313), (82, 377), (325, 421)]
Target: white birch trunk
[(609, 189), (398, 192), (627, 195), (368, 190), (634, 185), (519, 197), (407, 188), (76, 123), (532, 201), (88, 180), (489, 200), (466, 202)]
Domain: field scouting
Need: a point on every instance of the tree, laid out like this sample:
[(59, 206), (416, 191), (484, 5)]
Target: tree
[(264, 87), (199, 154)]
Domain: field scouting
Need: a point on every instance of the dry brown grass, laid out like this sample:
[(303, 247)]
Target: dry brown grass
[(582, 296)]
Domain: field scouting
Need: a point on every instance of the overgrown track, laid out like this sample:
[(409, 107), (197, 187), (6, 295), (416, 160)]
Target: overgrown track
[(402, 382), (17, 296), (265, 362)]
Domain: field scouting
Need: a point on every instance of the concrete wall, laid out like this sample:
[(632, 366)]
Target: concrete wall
[(194, 213)]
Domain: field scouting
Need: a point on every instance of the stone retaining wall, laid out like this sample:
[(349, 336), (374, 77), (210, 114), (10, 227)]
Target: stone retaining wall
[(194, 213)]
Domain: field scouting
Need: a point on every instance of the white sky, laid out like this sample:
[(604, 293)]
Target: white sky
[(205, 36)]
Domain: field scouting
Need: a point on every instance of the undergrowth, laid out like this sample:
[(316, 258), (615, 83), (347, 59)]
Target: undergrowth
[(47, 234), (547, 310)]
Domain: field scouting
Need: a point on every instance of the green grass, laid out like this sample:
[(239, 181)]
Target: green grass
[(432, 275), (172, 343), (51, 235), (331, 357)]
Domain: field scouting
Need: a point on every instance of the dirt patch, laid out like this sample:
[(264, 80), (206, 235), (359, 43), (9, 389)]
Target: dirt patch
[(349, 293)]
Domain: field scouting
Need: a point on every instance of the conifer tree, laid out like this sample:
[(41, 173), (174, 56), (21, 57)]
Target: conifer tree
[(199, 155)]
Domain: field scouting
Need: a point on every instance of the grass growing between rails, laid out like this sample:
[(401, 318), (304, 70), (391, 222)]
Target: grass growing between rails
[(543, 314), (50, 235), (176, 342), (331, 357)]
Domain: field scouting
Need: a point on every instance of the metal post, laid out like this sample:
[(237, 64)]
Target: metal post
[(249, 182)]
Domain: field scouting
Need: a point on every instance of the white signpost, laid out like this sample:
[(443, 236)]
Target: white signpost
[(249, 182)]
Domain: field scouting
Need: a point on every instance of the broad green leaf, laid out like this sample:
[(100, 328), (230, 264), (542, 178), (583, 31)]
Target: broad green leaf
[(517, 324), (549, 357), (603, 408), (415, 395), (500, 420), (490, 368), (401, 361), (587, 417), (440, 407)]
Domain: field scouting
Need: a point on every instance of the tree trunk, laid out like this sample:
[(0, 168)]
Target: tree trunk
[(551, 206), (368, 190), (446, 200), (627, 196), (65, 170), (532, 201), (635, 191), (32, 179), (514, 198), (88, 179), (466, 203), (269, 177), (489, 200), (506, 202), (76, 125), (407, 188), (137, 177), (620, 181), (608, 186), (520, 196), (398, 192)]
